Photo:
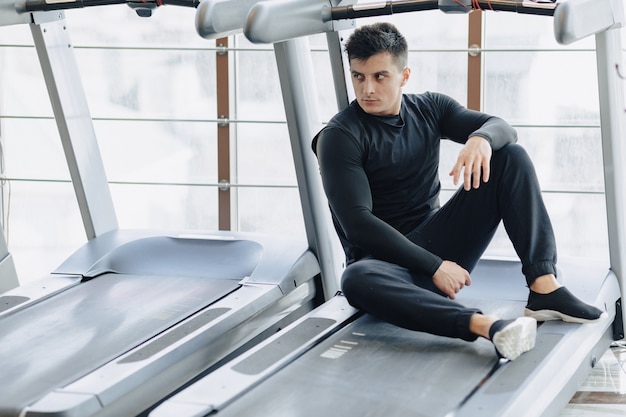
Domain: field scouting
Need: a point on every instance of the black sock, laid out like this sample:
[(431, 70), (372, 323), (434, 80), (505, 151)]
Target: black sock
[(513, 337), (497, 326)]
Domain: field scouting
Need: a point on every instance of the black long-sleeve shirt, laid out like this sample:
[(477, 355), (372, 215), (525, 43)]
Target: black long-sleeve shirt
[(380, 174)]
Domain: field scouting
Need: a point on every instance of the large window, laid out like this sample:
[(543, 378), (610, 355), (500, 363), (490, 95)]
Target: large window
[(549, 93), (151, 86), (267, 198)]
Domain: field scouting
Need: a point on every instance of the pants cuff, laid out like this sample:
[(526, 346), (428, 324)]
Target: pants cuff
[(532, 272), (463, 321)]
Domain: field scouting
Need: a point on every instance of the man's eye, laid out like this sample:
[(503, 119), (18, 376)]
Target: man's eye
[(380, 76)]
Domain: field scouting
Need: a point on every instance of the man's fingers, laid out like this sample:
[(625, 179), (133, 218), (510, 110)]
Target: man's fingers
[(467, 173), (476, 176), (486, 171), (455, 173), (473, 174)]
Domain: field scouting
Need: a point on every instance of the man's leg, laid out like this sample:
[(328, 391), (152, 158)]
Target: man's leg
[(464, 226), (395, 295), (522, 204)]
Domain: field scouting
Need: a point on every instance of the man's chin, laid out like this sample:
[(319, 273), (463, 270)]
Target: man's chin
[(369, 107)]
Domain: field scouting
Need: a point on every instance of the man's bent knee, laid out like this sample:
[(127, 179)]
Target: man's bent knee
[(354, 279)]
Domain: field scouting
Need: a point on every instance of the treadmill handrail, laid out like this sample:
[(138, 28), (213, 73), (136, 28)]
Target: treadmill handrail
[(404, 6), (26, 6), (265, 20)]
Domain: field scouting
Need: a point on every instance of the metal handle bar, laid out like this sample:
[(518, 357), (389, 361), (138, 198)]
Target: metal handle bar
[(403, 6)]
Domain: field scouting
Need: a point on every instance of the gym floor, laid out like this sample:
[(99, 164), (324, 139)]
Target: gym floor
[(603, 393)]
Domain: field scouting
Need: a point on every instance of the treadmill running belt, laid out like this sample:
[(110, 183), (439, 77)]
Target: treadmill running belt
[(61, 339), (371, 368)]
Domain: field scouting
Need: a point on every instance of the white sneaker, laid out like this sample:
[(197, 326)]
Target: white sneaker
[(514, 337)]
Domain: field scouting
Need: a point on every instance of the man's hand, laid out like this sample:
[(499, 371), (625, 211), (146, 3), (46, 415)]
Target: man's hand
[(451, 278), (473, 158)]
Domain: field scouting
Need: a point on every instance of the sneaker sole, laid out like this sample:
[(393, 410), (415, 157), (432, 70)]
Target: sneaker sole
[(547, 315), (516, 338)]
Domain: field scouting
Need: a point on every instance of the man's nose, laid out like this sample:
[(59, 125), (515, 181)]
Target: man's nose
[(368, 86)]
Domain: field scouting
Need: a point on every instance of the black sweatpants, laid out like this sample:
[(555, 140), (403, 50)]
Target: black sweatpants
[(460, 231)]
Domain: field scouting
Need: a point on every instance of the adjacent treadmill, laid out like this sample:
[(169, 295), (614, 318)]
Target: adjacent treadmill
[(337, 361), (133, 315)]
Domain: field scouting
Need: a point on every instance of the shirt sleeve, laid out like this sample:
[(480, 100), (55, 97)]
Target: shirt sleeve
[(459, 123), (347, 189)]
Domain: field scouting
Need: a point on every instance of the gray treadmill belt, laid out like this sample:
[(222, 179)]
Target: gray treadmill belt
[(371, 368), (60, 339)]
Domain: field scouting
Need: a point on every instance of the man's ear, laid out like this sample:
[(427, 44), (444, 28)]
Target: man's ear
[(406, 73)]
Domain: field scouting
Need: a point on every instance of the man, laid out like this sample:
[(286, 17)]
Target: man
[(407, 257)]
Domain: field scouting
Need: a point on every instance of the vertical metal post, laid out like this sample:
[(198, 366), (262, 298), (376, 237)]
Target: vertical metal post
[(74, 122), (223, 135), (8, 274), (475, 61), (613, 122), (295, 69), (338, 69)]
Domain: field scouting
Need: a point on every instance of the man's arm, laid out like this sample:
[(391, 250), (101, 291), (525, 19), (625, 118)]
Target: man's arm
[(459, 124), (480, 133)]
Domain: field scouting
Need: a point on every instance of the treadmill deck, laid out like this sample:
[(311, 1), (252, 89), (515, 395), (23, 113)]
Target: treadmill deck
[(367, 357)]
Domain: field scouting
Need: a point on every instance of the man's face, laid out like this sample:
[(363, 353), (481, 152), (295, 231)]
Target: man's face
[(378, 84)]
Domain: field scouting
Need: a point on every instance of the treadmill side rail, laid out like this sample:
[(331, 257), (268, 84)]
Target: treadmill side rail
[(513, 390), (232, 380), (66, 405), (173, 355), (27, 295)]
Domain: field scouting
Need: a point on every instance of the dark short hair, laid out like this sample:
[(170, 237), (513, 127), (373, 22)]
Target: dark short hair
[(373, 39)]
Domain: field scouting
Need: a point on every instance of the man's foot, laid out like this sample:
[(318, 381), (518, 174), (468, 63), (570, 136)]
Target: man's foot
[(561, 304), (513, 337)]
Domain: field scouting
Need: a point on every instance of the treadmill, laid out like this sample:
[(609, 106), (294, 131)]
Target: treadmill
[(133, 315), (338, 361)]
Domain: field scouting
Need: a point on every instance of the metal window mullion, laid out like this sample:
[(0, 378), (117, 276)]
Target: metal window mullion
[(475, 60), (223, 134), (234, 135)]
